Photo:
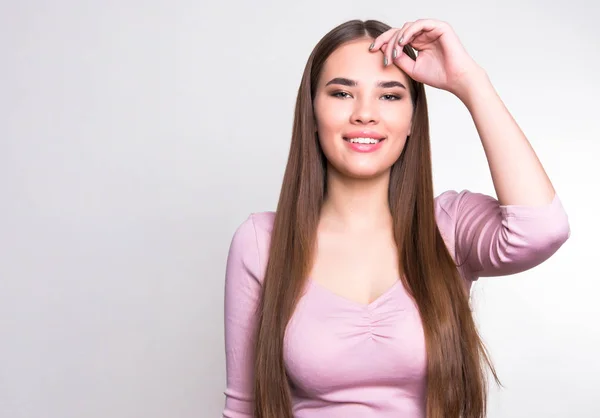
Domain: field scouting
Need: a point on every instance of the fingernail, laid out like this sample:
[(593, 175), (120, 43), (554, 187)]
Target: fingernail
[(400, 40), (372, 45), (394, 53), (385, 61)]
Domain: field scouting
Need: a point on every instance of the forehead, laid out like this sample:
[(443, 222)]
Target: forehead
[(354, 60)]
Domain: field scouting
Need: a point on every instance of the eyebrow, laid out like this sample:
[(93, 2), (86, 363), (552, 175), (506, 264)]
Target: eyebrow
[(352, 83)]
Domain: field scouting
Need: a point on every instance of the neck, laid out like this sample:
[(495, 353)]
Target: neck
[(356, 204)]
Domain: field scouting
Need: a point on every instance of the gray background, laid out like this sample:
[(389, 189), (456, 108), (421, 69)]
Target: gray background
[(135, 136)]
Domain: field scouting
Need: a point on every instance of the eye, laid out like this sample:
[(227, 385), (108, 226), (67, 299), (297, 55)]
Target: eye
[(341, 94), (391, 97)]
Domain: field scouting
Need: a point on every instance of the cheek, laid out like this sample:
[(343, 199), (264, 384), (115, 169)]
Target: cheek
[(397, 121), (396, 149), (332, 118)]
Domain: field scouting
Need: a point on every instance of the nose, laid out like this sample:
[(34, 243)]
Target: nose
[(365, 112)]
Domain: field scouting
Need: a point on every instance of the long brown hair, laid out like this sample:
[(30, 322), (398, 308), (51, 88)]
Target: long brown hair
[(456, 355)]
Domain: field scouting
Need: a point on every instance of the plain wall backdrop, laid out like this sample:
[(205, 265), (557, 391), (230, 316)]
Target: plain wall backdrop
[(135, 136)]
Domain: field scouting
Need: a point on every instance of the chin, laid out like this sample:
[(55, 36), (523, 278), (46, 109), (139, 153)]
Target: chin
[(364, 173)]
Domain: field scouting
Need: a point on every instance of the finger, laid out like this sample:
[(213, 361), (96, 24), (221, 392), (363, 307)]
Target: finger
[(382, 39), (391, 51), (399, 50), (405, 63), (403, 29), (396, 50), (385, 37), (418, 27), (407, 41)]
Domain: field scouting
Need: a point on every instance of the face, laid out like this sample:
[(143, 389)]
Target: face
[(357, 102)]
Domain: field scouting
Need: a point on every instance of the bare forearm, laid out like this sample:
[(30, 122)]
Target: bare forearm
[(518, 175)]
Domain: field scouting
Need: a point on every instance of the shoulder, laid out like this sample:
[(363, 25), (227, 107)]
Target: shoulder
[(450, 202), (445, 206), (448, 207), (452, 206), (263, 222), (251, 240), (256, 227)]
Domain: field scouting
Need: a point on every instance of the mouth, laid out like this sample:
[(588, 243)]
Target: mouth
[(364, 144), (364, 141)]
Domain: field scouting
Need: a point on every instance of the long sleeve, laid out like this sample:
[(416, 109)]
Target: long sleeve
[(242, 293), (494, 240)]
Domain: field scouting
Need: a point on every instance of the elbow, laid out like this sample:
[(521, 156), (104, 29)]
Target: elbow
[(530, 243), (560, 233), (546, 231), (555, 230), (534, 244), (558, 227)]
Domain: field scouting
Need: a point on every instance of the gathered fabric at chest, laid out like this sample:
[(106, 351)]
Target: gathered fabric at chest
[(352, 357)]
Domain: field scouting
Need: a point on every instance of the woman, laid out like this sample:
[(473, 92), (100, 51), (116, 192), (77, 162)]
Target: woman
[(352, 299)]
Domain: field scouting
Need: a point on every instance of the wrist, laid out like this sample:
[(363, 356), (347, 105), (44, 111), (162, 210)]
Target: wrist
[(472, 82)]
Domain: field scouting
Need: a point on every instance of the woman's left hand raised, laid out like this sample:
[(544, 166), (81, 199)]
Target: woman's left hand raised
[(442, 61)]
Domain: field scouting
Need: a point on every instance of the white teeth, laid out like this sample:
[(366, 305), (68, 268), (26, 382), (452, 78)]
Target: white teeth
[(364, 140)]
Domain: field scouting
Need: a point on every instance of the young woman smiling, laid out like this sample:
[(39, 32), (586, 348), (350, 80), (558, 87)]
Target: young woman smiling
[(352, 298)]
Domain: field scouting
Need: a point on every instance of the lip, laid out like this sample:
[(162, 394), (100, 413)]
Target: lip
[(364, 147), (363, 134)]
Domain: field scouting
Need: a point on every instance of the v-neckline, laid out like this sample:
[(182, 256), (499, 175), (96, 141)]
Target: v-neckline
[(371, 305)]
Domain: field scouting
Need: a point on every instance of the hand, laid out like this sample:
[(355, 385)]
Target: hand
[(442, 61)]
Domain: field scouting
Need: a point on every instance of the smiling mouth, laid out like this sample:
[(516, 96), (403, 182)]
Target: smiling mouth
[(366, 141)]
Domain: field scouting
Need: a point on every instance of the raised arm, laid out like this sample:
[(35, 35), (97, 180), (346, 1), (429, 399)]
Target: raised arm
[(443, 62), (518, 175), (527, 223)]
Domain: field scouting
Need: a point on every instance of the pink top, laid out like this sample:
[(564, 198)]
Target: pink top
[(345, 359)]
